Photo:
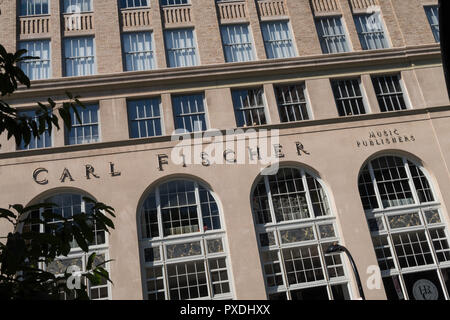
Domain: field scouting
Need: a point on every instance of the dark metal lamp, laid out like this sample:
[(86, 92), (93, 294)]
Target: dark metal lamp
[(335, 247)]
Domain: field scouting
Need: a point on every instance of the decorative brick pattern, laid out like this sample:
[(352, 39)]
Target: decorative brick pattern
[(78, 22), (325, 7), (235, 11), (272, 9), (34, 25), (177, 16), (135, 19)]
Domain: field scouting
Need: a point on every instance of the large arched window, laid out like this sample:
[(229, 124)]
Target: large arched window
[(68, 205), (182, 244), (295, 227), (408, 232)]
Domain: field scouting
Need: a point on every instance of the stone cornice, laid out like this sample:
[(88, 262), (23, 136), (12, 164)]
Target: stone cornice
[(165, 142), (212, 74)]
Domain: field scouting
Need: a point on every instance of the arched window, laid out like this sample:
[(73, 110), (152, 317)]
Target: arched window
[(68, 205), (408, 232), (182, 244), (295, 227)]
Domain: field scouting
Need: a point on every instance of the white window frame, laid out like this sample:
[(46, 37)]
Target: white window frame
[(240, 109), (134, 6), (433, 10), (68, 57), (33, 4), (76, 124), (190, 115), (375, 34), (146, 118), (387, 231), (293, 105), (353, 98), (404, 92), (149, 55), (77, 252), (180, 60), (33, 138), (312, 222), (268, 43), (161, 242), (235, 48), (323, 37), (24, 64)]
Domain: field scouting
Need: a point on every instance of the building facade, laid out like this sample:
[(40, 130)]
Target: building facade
[(350, 93)]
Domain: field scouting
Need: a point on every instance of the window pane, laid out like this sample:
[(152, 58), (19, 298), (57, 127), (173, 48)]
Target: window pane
[(292, 103), (370, 31), (181, 48), (139, 51), (144, 118), (237, 43), (249, 107), (71, 6), (124, 4), (36, 69), (44, 141), (189, 112), (348, 96), (432, 13), (278, 40), (389, 93), (79, 56), (33, 7), (88, 130), (332, 35)]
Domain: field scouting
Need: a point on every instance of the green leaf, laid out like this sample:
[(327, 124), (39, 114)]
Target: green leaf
[(91, 260)]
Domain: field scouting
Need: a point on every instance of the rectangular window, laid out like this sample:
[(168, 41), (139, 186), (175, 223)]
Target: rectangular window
[(74, 6), (144, 118), (278, 40), (370, 31), (79, 54), (181, 48), (389, 93), (40, 68), (332, 35), (249, 107), (33, 7), (139, 51), (348, 96), (433, 18), (88, 130), (292, 103), (189, 112), (173, 2), (237, 43), (126, 4), (45, 140)]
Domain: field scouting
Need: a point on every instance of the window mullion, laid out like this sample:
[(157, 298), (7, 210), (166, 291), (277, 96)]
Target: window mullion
[(307, 195), (269, 198)]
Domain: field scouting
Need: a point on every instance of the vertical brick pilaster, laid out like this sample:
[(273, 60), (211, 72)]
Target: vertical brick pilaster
[(56, 43), (413, 22), (272, 107), (304, 30), (9, 28), (207, 32), (107, 36), (255, 28), (392, 28), (347, 18), (169, 123), (158, 35)]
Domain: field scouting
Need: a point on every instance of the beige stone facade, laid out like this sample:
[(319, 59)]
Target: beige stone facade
[(337, 148)]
